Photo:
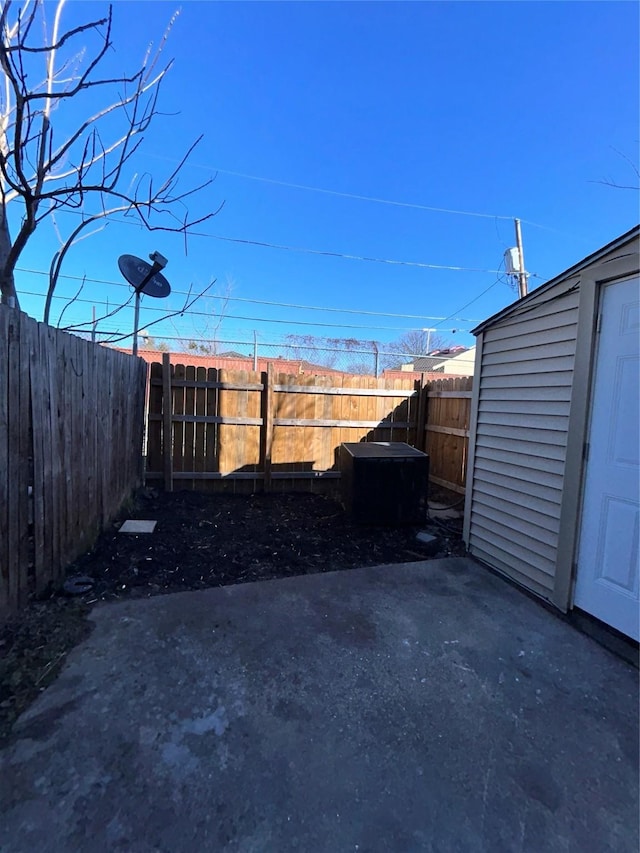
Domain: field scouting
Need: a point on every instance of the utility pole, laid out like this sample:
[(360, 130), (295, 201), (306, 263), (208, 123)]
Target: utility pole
[(522, 275), (428, 331)]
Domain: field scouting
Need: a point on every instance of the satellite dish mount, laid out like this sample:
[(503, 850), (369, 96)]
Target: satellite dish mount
[(144, 278)]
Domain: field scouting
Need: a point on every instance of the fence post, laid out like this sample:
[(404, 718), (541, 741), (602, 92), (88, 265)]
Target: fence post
[(267, 428), (422, 413), (167, 411)]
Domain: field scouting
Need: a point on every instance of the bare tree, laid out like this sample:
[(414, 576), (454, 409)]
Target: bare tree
[(414, 342), (334, 353), (78, 170), (311, 348), (207, 323), (156, 344), (418, 342), (609, 182)]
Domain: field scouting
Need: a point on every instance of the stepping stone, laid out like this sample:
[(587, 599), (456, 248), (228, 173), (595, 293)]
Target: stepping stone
[(429, 542), (134, 525)]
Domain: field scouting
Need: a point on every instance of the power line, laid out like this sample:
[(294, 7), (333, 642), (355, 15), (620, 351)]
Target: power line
[(343, 255), (341, 310), (475, 299), (480, 295), (238, 317), (374, 199), (261, 301), (358, 197), (321, 252)]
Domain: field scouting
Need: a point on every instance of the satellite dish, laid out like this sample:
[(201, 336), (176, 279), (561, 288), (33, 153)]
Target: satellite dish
[(144, 278), (141, 277)]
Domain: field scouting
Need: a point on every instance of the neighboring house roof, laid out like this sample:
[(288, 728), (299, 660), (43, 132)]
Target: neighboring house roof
[(232, 354), (425, 363)]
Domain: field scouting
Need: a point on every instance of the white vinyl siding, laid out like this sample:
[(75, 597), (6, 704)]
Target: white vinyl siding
[(529, 424), (521, 436)]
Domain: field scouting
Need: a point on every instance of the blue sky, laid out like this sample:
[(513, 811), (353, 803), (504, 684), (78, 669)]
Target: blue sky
[(507, 109)]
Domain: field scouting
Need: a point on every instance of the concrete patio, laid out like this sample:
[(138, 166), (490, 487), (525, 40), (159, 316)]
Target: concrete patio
[(418, 707)]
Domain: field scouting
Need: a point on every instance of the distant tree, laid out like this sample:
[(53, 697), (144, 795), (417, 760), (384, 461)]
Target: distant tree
[(362, 366), (347, 354), (206, 323), (156, 344), (410, 345), (311, 348), (200, 347), (44, 69)]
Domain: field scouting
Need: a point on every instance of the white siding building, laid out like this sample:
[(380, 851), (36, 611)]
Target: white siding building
[(553, 475)]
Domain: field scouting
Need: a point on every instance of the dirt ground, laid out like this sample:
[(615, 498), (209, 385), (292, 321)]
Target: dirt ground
[(201, 540)]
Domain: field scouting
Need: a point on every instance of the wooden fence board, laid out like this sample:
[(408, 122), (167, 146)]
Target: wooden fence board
[(90, 440), (190, 409), (66, 422), (5, 542), (268, 411), (200, 427), (106, 442), (154, 453), (45, 427), (254, 410), (13, 458), (178, 426), (25, 562), (39, 416), (211, 429), (229, 454), (165, 410)]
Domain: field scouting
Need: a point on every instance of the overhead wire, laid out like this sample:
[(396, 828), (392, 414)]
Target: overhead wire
[(475, 299), (259, 301), (326, 253), (321, 252), (251, 319), (345, 256), (356, 196)]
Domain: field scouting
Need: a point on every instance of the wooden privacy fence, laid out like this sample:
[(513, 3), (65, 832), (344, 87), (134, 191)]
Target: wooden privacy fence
[(71, 429), (215, 429), (446, 440)]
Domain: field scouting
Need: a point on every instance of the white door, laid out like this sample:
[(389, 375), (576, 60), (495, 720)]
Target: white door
[(607, 575)]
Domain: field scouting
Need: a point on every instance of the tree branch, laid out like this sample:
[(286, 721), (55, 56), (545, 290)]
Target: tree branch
[(80, 326), (179, 312), (44, 175)]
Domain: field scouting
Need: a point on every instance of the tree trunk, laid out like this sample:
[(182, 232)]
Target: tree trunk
[(7, 283)]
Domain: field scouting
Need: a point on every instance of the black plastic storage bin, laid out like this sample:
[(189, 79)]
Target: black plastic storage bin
[(384, 482)]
